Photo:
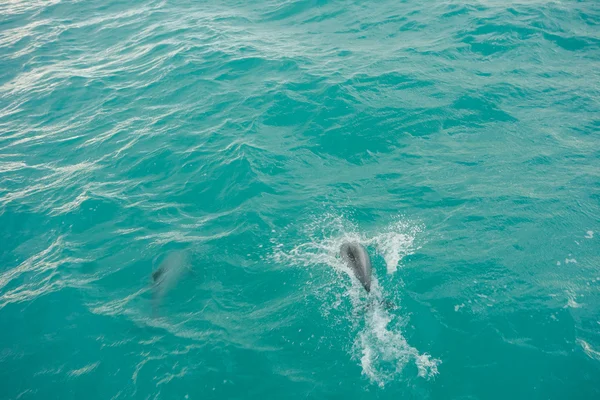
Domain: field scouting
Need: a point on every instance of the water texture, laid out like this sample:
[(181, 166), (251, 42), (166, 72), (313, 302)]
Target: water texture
[(176, 179)]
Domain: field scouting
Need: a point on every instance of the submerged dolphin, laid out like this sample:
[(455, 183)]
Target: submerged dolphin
[(168, 273), (357, 259)]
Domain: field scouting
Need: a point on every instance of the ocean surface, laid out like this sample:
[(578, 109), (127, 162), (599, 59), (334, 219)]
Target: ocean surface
[(177, 177)]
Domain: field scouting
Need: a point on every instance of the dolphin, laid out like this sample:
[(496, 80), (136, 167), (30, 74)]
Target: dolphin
[(357, 259), (168, 273)]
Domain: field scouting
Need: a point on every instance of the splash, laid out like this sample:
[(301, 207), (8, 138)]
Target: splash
[(326, 234), (396, 242), (383, 350), (379, 345)]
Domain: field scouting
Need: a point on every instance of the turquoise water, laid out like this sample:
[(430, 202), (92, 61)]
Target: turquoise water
[(235, 145)]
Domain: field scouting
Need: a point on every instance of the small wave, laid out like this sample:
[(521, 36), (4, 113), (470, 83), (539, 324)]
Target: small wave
[(591, 353), (40, 274), (84, 370), (379, 346), (571, 302), (13, 7)]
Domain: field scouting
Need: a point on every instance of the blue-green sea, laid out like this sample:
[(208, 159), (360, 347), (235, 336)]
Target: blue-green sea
[(177, 178)]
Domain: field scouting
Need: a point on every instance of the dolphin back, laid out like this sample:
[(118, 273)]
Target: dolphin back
[(357, 259)]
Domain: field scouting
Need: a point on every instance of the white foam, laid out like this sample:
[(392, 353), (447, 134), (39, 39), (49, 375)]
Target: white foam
[(379, 345), (426, 365), (589, 235)]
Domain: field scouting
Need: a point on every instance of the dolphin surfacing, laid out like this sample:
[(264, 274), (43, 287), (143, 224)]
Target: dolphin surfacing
[(357, 259)]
